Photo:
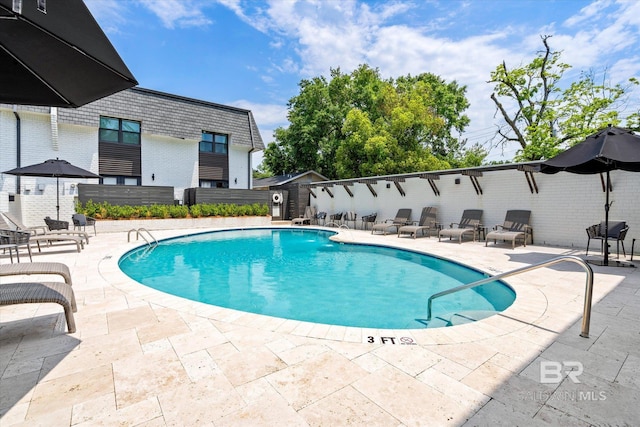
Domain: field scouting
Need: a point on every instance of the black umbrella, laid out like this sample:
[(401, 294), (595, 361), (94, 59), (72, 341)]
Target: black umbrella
[(57, 57), (54, 168), (609, 149)]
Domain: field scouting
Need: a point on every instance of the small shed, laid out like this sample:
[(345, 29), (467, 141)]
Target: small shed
[(298, 195)]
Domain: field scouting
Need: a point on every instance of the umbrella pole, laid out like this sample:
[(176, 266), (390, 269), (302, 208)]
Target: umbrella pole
[(606, 224), (58, 198)]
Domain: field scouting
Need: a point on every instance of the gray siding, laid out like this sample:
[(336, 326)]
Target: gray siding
[(165, 114)]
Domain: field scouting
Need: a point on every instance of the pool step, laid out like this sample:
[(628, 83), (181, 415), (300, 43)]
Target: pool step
[(459, 318)]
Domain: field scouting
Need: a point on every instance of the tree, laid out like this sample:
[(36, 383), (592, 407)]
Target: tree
[(262, 171), (360, 124), (542, 117)]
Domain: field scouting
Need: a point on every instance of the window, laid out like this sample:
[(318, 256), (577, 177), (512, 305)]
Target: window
[(207, 183), (119, 131), (120, 180), (213, 143)]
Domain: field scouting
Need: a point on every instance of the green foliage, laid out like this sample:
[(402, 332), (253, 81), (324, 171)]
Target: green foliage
[(262, 171), (546, 119), (107, 211), (360, 124)]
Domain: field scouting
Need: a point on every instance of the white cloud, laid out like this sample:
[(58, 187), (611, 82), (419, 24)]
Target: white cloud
[(268, 115), (308, 38), (111, 12), (180, 13)]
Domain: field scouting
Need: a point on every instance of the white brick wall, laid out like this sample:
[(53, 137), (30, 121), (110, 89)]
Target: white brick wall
[(238, 167), (172, 162), (564, 207)]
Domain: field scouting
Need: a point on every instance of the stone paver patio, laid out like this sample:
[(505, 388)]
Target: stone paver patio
[(141, 357)]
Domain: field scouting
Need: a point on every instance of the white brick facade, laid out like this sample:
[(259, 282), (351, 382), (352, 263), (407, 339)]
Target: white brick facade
[(564, 207), (169, 148)]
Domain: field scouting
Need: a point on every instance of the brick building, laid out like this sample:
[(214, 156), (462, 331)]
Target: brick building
[(134, 137)]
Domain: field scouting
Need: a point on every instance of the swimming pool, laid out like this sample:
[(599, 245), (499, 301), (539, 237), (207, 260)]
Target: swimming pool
[(303, 275)]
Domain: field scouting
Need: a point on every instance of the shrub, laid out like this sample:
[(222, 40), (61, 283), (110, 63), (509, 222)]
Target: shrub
[(106, 211)]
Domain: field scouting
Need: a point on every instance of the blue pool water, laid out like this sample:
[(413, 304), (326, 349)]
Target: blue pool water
[(302, 275)]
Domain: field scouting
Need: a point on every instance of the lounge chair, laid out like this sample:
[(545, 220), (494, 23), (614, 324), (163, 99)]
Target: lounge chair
[(309, 215), (26, 269), (17, 224), (427, 223), (81, 221), (516, 226), (25, 238), (403, 217), (40, 292), (59, 228), (617, 230), (468, 225)]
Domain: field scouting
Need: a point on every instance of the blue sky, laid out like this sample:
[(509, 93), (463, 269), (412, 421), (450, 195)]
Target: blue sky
[(252, 54)]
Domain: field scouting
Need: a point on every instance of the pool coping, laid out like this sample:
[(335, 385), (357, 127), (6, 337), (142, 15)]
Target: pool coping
[(529, 307)]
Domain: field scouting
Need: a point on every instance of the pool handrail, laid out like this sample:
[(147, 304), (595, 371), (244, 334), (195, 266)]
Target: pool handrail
[(586, 315), (139, 233)]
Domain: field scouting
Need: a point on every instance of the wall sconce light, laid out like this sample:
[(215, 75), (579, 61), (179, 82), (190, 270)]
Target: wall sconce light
[(153, 177), (235, 180), (388, 185), (457, 181)]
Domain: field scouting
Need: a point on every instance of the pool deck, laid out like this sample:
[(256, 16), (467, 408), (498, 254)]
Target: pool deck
[(140, 357)]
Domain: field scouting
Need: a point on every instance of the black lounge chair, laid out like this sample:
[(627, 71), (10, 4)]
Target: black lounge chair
[(403, 217), (469, 224), (516, 226), (427, 223)]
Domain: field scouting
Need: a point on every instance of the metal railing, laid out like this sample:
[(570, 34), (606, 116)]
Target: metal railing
[(140, 232), (586, 316)]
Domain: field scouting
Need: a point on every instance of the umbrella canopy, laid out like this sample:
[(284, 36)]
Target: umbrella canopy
[(58, 58), (609, 149), (54, 168)]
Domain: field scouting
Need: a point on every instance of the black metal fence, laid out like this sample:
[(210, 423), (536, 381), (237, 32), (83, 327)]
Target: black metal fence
[(126, 195), (129, 195)]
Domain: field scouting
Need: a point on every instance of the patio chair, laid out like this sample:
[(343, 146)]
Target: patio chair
[(320, 216), (617, 231), (516, 226), (58, 227), (40, 292), (468, 225), (13, 239), (427, 223), (335, 219), (55, 224), (309, 214), (403, 217), (368, 219), (350, 216), (81, 221)]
